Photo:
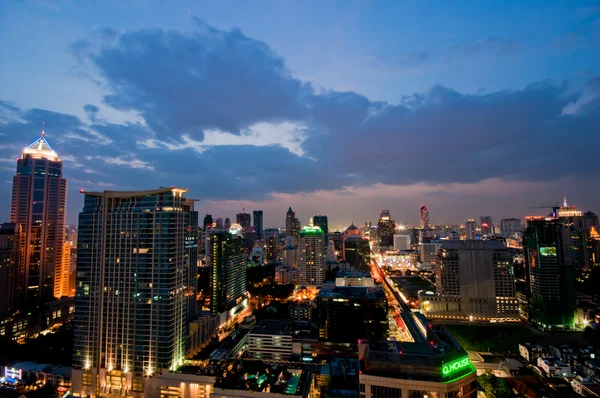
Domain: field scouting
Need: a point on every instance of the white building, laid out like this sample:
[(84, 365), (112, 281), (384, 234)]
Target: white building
[(402, 241), (531, 352), (285, 275), (553, 367)]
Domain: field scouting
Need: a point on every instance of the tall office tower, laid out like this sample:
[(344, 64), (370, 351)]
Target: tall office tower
[(321, 222), (510, 226), (227, 223), (385, 229), (62, 272), (474, 278), (356, 249), (549, 265), (207, 222), (39, 200), (470, 228), (312, 248), (244, 220), (257, 215), (289, 253), (292, 224), (219, 224), (228, 271), (487, 226), (12, 273), (424, 217), (192, 235), (573, 218), (131, 304)]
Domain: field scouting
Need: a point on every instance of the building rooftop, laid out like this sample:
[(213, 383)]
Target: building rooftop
[(456, 244), (297, 329), (40, 149), (375, 292)]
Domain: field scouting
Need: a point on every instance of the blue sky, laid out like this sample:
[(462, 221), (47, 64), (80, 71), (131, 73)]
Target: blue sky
[(341, 107)]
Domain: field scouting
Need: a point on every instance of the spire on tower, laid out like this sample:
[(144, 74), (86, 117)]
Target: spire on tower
[(565, 201), (43, 133)]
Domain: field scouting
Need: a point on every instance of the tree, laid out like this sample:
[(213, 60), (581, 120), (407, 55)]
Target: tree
[(495, 386)]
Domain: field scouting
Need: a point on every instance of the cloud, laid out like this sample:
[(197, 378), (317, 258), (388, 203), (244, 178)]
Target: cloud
[(221, 114), (91, 111)]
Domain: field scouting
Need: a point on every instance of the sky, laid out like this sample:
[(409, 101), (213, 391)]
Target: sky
[(341, 108)]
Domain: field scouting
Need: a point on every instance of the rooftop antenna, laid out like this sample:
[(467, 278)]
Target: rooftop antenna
[(43, 133)]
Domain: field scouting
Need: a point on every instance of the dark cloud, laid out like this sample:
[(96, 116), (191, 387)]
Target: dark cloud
[(186, 83), (91, 110)]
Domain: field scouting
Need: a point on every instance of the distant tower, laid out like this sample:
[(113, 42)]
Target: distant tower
[(470, 227), (208, 221), (385, 229), (258, 223), (424, 213), (244, 220), (321, 222), (292, 224), (219, 223), (227, 224), (487, 226), (39, 201)]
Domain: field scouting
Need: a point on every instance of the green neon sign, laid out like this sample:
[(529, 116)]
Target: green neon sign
[(456, 365)]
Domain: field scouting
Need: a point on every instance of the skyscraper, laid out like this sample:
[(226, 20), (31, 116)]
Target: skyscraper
[(192, 235), (257, 215), (321, 222), (356, 249), (510, 226), (312, 249), (207, 222), (424, 216), (228, 270), (487, 226), (470, 228), (132, 279), (474, 278), (546, 244), (385, 229), (62, 272), (292, 224), (39, 200), (12, 274), (244, 220), (227, 223)]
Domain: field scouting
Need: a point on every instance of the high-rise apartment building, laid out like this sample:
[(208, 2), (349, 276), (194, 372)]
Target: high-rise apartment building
[(12, 274), (510, 226), (474, 280), (39, 200), (244, 220), (321, 222), (192, 238), (487, 226), (132, 279), (227, 223), (257, 215), (424, 217), (385, 229), (227, 270), (312, 246), (549, 265), (207, 222), (471, 229)]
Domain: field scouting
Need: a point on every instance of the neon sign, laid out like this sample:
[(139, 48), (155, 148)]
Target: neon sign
[(455, 366)]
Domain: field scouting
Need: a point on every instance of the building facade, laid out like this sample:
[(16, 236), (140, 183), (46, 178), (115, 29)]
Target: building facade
[(228, 270), (474, 281), (470, 229), (12, 273), (510, 227), (292, 225), (39, 201), (487, 225), (244, 220), (356, 250), (311, 252), (385, 229), (131, 304), (321, 222), (257, 216), (549, 269)]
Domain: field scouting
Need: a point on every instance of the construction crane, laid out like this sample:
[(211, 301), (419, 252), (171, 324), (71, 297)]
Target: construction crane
[(554, 208)]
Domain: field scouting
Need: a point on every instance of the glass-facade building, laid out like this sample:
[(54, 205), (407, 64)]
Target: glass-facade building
[(135, 280), (228, 271), (38, 203)]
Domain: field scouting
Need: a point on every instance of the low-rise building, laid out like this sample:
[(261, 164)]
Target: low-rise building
[(553, 367), (285, 275), (281, 340), (531, 352)]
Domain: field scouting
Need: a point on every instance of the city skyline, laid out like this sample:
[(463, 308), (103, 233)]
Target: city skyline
[(478, 121)]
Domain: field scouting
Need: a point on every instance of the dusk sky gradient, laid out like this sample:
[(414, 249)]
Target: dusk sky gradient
[(341, 108)]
